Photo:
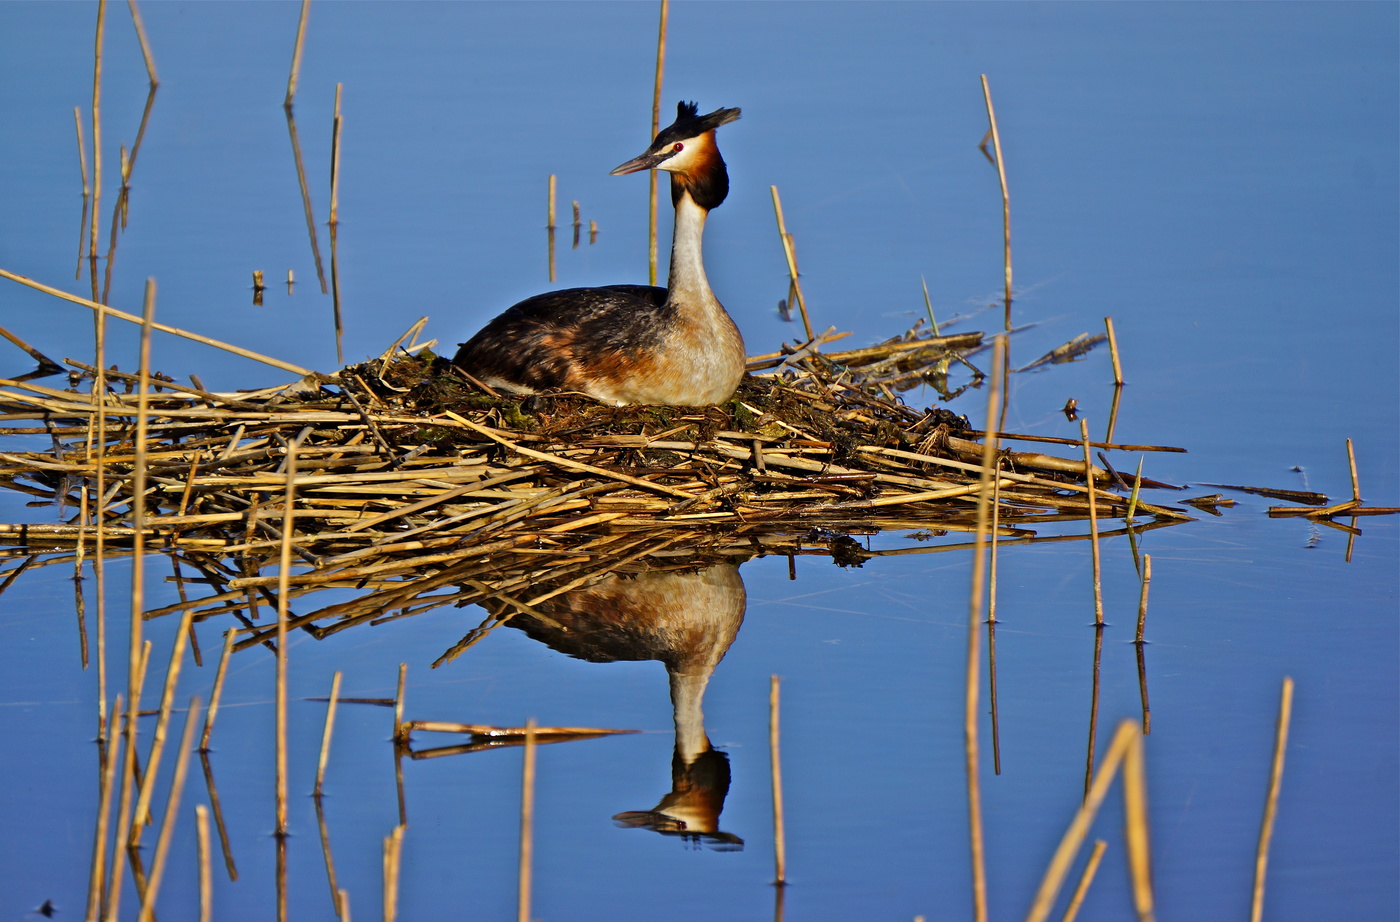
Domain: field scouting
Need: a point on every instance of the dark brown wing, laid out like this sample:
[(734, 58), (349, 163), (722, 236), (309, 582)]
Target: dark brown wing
[(542, 342)]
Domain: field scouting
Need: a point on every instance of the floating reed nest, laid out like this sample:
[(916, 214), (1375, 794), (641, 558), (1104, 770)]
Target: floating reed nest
[(417, 488)]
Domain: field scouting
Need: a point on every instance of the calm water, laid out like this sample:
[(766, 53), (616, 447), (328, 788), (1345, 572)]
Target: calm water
[(1221, 179)]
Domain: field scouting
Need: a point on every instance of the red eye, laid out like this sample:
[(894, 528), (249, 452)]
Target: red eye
[(677, 148)]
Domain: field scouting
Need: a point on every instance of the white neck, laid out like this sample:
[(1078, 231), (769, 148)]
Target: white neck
[(687, 696), (687, 279)]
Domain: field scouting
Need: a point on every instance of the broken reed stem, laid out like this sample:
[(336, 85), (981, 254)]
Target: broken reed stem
[(172, 809), (1125, 740), (1093, 522), (1090, 869), (296, 54), (1266, 830), (132, 318), (655, 127), (1142, 599), (167, 700), (992, 621), (284, 567), (527, 820), (775, 762), (1005, 196), (145, 45), (393, 850), (96, 143), (928, 306), (791, 262), (1113, 352), (206, 871), (399, 731), (111, 749), (1355, 483), (218, 690), (334, 224), (326, 735), (974, 651)]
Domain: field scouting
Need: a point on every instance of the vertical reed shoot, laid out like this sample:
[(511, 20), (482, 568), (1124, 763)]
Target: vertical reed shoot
[(206, 871), (172, 810), (1266, 830), (215, 695), (655, 128), (1113, 352), (1093, 522), (334, 225), (284, 568), (326, 735), (1005, 196), (791, 258)]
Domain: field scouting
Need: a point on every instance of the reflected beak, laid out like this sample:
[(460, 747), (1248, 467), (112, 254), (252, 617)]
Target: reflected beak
[(647, 161)]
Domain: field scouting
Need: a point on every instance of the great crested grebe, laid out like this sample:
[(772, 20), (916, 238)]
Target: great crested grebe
[(625, 344)]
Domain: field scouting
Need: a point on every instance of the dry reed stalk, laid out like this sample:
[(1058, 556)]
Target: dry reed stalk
[(527, 820), (172, 679), (1355, 483), (791, 261), (655, 128), (326, 737), (1113, 352), (295, 73), (334, 224), (1090, 869), (206, 871), (145, 45), (217, 693), (283, 573), (111, 749), (96, 142), (549, 226), (343, 901), (974, 651), (1266, 829), (928, 306), (172, 809), (132, 318), (399, 731), (1093, 523), (393, 851), (1142, 599), (775, 762), (1125, 739), (1005, 195)]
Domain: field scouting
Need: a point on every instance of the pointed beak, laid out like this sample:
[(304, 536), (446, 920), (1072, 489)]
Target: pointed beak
[(646, 161)]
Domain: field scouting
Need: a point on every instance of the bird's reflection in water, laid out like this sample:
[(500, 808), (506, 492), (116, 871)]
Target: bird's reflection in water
[(686, 619)]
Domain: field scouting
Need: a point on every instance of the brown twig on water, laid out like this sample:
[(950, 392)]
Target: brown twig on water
[(791, 257), (1005, 195), (776, 776), (653, 177), (1266, 829)]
